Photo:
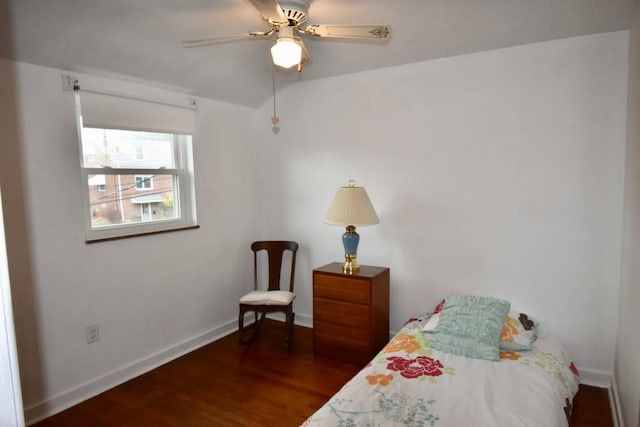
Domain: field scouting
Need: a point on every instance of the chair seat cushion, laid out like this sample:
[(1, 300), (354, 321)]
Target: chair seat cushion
[(268, 298)]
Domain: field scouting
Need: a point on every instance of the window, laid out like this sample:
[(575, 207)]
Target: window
[(137, 181), (97, 181), (127, 192), (143, 182)]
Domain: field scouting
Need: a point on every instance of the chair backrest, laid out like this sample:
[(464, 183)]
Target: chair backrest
[(275, 251)]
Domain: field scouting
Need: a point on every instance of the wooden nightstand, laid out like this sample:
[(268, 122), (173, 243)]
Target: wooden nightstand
[(350, 312)]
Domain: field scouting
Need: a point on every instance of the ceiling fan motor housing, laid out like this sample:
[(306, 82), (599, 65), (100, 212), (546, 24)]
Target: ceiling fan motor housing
[(296, 11)]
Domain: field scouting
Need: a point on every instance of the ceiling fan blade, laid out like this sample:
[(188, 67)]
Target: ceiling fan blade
[(270, 11), (349, 31), (226, 39)]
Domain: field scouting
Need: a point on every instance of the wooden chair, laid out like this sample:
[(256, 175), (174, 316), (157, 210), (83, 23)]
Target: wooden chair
[(273, 299)]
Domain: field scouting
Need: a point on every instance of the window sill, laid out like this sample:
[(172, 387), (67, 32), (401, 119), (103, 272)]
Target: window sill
[(148, 233)]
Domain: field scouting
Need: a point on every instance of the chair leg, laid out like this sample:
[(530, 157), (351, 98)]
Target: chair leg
[(241, 328), (289, 322), (240, 324), (257, 323)]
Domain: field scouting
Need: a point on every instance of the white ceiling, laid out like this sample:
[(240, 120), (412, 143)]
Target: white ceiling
[(140, 39)]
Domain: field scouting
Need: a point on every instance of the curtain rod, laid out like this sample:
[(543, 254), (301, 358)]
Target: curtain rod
[(71, 83)]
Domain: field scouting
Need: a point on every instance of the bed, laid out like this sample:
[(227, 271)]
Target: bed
[(424, 377)]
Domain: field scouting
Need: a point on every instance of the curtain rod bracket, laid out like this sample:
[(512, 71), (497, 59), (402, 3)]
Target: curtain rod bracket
[(70, 83)]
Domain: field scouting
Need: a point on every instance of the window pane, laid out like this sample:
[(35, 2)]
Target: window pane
[(126, 149), (144, 182), (117, 199)]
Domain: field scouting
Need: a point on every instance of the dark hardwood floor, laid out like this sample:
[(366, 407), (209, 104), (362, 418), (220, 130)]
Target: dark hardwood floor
[(591, 408), (261, 384)]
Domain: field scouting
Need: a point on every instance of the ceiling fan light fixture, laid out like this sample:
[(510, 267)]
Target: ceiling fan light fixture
[(286, 52)]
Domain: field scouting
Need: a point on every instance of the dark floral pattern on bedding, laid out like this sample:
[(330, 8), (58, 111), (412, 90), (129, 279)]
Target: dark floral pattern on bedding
[(526, 323), (568, 408), (411, 360), (415, 368), (411, 320), (573, 368), (439, 307)]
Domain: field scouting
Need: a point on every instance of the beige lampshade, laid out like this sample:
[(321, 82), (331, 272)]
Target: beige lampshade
[(351, 206)]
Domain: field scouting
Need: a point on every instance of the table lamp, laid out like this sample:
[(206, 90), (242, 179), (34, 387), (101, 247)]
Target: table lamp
[(350, 207)]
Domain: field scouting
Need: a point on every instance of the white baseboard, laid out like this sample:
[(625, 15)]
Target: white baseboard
[(82, 392), (614, 401), (304, 320), (595, 378)]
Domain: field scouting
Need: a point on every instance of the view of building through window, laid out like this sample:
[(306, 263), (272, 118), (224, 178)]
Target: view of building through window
[(135, 182)]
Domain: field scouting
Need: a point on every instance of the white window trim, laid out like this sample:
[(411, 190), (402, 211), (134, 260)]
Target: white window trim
[(144, 176)]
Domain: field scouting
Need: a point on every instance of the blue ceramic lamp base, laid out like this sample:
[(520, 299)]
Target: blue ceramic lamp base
[(350, 240)]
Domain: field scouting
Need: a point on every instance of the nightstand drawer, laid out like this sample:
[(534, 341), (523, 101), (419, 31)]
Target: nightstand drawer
[(341, 332), (352, 315), (341, 289)]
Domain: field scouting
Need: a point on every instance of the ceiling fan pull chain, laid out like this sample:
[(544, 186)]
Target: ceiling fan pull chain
[(275, 119)]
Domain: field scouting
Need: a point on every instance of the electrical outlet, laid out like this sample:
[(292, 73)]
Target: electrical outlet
[(93, 333)]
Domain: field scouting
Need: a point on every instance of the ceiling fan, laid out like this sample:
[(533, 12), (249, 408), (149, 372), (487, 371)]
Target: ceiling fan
[(285, 18)]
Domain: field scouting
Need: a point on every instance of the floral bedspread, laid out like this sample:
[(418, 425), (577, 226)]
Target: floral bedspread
[(410, 384)]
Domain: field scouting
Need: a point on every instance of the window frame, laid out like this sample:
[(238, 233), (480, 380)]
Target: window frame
[(183, 192), (144, 178)]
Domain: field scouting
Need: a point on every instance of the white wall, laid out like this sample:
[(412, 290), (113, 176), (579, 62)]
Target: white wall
[(153, 297), (627, 369), (497, 173)]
